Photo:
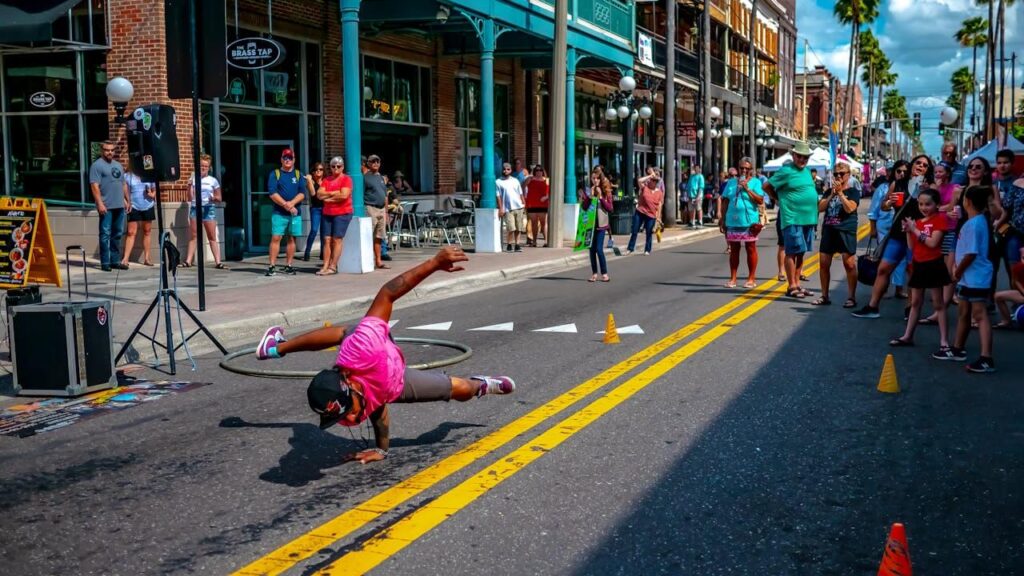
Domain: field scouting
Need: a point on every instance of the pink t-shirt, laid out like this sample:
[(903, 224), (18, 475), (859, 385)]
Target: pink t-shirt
[(946, 194), (375, 361)]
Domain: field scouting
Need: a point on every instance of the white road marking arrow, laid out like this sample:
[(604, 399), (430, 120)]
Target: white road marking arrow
[(634, 329), (438, 326), (391, 323), (504, 327), (564, 328)]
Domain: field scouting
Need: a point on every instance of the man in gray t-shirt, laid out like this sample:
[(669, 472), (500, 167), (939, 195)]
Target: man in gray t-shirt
[(110, 193), (375, 199)]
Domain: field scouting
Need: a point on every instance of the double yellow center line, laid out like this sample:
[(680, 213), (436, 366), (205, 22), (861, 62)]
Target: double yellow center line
[(385, 544)]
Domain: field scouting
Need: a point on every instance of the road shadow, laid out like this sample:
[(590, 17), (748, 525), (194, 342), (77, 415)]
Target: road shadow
[(313, 450), (807, 466)]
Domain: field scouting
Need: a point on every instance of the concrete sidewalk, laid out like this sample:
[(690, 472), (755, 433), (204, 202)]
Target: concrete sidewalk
[(242, 302)]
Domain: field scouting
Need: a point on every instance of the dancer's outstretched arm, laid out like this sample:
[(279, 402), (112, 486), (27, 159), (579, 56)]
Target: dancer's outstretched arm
[(446, 259)]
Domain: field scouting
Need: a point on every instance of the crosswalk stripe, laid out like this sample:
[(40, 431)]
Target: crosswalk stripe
[(503, 327), (438, 326), (634, 329), (564, 328)]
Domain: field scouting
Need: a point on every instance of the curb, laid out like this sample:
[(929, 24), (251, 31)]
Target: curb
[(238, 334)]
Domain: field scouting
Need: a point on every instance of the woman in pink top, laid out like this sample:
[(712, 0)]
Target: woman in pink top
[(370, 371)]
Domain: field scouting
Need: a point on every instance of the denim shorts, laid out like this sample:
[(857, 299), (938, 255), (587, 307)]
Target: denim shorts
[(281, 225), (209, 212), (895, 251), (973, 294), (798, 239), (335, 226)]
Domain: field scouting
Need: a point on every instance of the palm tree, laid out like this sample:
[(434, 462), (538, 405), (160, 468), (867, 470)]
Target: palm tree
[(854, 13), (972, 35), (961, 83), (998, 35), (871, 56)]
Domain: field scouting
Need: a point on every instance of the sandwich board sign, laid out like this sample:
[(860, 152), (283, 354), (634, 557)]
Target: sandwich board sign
[(26, 244)]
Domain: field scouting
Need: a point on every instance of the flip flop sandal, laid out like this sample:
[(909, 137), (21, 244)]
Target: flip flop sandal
[(850, 303), (185, 265), (927, 322), (730, 284), (781, 277), (900, 343), (1002, 326), (383, 267), (148, 264), (593, 278), (605, 278), (221, 266), (806, 292), (749, 285), (804, 278), (822, 302), (795, 293)]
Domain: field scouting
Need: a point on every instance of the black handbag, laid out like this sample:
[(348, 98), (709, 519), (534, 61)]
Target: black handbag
[(867, 263)]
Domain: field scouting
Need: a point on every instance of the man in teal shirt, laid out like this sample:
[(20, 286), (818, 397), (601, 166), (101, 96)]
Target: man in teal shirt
[(695, 194), (793, 188)]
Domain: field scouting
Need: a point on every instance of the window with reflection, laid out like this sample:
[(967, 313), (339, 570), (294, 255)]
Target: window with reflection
[(469, 149), (41, 81)]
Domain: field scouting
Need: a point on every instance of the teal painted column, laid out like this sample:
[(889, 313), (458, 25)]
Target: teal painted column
[(570, 125), (353, 92), (487, 185)]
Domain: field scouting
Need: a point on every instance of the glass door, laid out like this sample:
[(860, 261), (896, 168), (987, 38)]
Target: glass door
[(262, 157)]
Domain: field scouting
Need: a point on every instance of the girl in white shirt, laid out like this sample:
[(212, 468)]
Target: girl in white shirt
[(210, 189), (141, 210)]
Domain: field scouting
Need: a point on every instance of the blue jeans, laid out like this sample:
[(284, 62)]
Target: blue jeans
[(597, 252), (111, 232), (315, 215), (641, 219), (1013, 246)]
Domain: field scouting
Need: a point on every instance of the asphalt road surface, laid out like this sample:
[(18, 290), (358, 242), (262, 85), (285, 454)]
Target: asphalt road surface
[(740, 433)]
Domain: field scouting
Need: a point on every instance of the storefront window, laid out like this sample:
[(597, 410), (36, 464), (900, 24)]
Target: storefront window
[(377, 103), (281, 88), (94, 80), (314, 76), (467, 118), (41, 81), (406, 92), (45, 160)]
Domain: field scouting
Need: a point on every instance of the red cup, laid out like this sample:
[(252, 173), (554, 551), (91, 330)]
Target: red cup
[(899, 199)]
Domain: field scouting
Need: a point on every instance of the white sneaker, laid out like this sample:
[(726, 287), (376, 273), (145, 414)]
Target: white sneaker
[(497, 384)]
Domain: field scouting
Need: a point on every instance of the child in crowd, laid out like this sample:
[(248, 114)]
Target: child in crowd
[(973, 275), (924, 236), (1010, 299)]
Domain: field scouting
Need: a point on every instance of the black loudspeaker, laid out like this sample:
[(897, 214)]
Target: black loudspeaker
[(153, 143), (212, 39)]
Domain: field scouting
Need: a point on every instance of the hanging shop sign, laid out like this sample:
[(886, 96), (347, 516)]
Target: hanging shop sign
[(42, 99), (224, 123), (254, 53), (645, 49)]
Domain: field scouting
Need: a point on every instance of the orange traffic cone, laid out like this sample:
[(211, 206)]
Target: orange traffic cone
[(888, 382), (611, 333), (896, 558)]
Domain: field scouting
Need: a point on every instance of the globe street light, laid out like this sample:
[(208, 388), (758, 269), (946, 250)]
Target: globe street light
[(948, 116), (715, 113), (627, 84), (120, 91)]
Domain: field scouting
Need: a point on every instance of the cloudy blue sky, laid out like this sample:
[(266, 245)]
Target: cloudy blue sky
[(917, 35)]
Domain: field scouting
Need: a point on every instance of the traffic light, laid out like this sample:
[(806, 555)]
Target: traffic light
[(917, 123), (942, 129)]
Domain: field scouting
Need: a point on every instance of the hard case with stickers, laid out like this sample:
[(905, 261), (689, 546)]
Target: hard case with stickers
[(63, 348)]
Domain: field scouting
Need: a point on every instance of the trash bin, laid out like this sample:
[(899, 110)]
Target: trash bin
[(234, 245), (622, 215)]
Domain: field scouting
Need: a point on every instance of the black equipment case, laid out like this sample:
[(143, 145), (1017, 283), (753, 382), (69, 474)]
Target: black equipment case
[(63, 348)]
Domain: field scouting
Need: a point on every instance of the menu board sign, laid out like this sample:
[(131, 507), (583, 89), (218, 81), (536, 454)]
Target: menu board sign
[(26, 244)]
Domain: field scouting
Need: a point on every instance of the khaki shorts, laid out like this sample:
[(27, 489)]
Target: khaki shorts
[(379, 217), (515, 220)]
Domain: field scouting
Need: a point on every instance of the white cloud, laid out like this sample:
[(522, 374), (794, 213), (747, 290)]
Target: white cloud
[(917, 35)]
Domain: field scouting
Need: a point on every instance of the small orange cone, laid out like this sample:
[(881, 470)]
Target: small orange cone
[(611, 333), (896, 558), (887, 382)]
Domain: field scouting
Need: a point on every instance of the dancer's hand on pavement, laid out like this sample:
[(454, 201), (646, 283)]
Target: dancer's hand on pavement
[(447, 258), (364, 456)]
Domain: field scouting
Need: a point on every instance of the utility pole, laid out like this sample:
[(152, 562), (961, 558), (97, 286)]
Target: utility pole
[(751, 83), (804, 131), (1013, 90), (671, 190), (557, 125), (705, 26)]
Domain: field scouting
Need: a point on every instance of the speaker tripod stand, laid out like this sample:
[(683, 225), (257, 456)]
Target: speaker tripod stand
[(169, 258)]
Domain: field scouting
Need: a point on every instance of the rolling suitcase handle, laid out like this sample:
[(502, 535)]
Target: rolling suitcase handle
[(85, 270)]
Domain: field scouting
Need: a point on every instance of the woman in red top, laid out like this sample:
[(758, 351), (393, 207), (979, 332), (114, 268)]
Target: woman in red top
[(929, 269), (537, 200), (336, 192)]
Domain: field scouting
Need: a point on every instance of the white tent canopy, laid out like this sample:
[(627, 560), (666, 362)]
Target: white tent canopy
[(820, 159), (988, 151)]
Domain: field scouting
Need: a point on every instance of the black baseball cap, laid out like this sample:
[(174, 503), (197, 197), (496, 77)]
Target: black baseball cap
[(329, 396)]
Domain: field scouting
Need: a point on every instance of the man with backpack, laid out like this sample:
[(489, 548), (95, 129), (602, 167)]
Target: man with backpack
[(285, 186)]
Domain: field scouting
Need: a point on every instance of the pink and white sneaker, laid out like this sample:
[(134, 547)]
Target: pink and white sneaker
[(270, 340), (496, 384)]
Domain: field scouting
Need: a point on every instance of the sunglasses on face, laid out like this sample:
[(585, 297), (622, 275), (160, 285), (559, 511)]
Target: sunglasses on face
[(336, 166), (287, 159), (921, 163), (841, 174), (374, 162), (975, 167)]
